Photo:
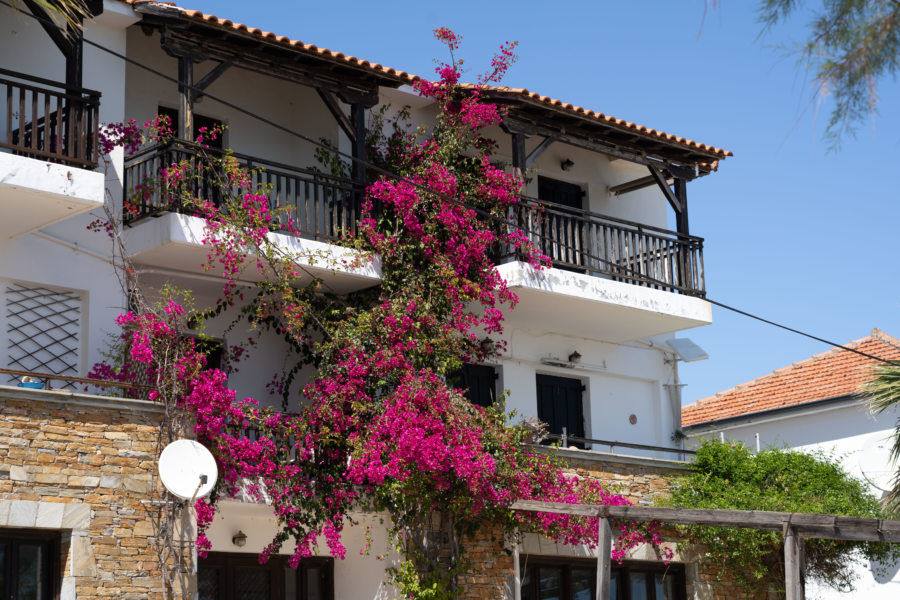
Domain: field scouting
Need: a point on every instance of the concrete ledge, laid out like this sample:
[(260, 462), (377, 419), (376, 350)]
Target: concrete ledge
[(597, 307), (625, 459), (70, 398), (35, 194)]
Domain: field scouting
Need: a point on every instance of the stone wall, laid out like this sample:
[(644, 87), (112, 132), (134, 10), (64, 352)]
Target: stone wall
[(80, 465)]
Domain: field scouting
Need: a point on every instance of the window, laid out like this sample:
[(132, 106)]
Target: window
[(43, 328), (29, 565), (478, 382), (560, 405), (199, 122), (227, 576), (560, 579)]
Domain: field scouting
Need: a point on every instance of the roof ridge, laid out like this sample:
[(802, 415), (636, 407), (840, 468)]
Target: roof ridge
[(875, 334)]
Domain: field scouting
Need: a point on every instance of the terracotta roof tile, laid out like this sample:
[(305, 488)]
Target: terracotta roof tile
[(831, 374), (409, 78)]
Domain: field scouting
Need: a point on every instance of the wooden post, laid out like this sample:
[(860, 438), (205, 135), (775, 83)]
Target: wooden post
[(185, 82), (358, 119), (75, 58), (681, 219), (519, 157), (793, 582), (604, 560)]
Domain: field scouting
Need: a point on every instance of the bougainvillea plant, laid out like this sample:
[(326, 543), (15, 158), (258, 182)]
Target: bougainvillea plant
[(381, 426)]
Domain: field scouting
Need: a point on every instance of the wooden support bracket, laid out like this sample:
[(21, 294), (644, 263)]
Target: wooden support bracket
[(657, 174), (331, 102), (207, 79), (536, 153)]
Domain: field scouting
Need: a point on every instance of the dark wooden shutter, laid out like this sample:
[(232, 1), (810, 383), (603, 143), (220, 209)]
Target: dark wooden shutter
[(560, 404), (479, 384)]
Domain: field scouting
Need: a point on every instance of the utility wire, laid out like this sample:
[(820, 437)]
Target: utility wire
[(392, 175)]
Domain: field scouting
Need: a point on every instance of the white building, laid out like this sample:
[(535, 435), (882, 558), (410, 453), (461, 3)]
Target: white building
[(815, 405), (587, 348)]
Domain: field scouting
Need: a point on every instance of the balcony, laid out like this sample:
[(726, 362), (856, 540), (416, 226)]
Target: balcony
[(49, 134), (644, 280), (322, 207), (584, 242), (613, 280)]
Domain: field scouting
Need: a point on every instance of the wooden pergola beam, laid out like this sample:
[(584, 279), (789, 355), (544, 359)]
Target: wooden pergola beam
[(830, 527), (793, 525)]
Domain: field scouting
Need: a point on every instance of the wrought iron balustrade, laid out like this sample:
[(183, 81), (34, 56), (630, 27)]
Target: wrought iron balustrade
[(596, 244), (322, 206), (47, 120)]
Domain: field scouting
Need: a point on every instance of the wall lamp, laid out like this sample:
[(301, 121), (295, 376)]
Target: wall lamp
[(566, 164), (239, 539)]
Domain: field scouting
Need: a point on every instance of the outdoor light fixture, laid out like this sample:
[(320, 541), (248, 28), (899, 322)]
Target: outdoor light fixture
[(566, 164), (239, 539), (575, 357)]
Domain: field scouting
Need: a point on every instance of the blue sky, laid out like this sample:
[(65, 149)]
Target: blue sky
[(794, 232)]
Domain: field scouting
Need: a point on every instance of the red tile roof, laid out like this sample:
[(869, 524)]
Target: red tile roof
[(404, 77), (832, 374)]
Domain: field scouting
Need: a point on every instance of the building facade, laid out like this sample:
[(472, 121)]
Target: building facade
[(586, 347)]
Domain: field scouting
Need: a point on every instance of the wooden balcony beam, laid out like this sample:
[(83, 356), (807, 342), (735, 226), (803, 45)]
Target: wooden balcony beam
[(632, 186)]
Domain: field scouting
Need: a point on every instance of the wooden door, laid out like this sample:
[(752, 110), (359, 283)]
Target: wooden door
[(562, 230)]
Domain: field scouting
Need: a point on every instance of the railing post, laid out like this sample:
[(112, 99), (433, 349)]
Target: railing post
[(565, 438)]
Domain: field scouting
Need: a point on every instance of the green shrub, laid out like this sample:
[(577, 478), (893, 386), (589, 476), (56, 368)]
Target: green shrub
[(730, 476)]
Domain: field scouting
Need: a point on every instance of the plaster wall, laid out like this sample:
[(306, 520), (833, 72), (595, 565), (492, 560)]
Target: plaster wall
[(620, 381), (359, 575)]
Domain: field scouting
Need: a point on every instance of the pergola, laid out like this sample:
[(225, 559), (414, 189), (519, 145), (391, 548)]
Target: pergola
[(794, 526)]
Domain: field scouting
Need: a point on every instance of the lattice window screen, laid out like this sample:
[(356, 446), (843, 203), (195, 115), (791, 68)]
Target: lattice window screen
[(43, 330)]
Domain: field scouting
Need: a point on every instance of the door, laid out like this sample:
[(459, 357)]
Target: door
[(562, 229), (560, 405)]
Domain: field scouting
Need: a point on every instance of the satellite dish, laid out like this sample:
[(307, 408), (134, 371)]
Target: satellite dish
[(687, 350), (875, 462), (187, 469)]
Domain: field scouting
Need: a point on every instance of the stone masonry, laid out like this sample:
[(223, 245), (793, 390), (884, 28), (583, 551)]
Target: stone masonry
[(81, 464)]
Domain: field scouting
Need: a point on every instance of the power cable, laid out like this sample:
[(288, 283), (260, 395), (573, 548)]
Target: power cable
[(426, 189)]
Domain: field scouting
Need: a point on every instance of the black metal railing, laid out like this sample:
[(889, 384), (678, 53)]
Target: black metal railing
[(566, 440), (47, 120), (322, 206), (580, 240)]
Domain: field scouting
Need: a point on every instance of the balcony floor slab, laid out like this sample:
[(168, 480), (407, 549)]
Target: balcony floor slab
[(567, 303), (35, 194), (175, 241)]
